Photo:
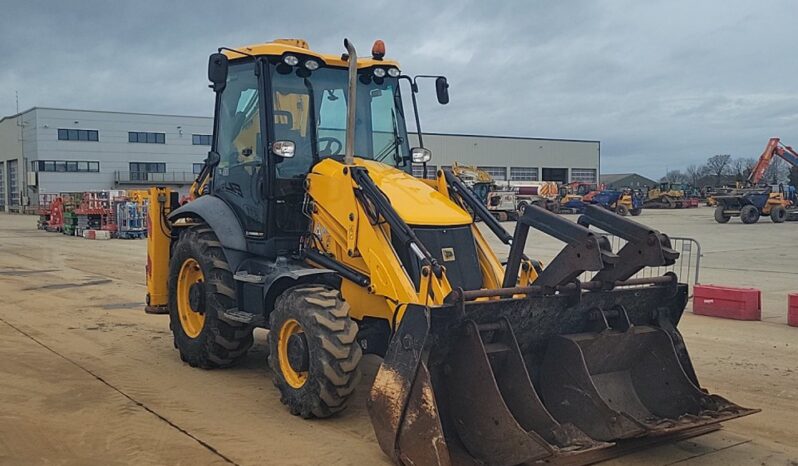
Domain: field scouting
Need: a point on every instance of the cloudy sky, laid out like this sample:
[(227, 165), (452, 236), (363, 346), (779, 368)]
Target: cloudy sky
[(660, 84)]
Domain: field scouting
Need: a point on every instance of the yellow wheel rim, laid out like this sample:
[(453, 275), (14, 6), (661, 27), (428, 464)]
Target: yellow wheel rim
[(191, 320), (293, 378)]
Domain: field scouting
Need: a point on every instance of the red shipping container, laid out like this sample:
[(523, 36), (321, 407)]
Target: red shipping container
[(727, 302), (792, 309)]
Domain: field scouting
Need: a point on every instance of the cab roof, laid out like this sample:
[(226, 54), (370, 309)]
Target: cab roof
[(279, 47)]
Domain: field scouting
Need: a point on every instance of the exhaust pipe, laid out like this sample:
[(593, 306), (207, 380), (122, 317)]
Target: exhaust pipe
[(351, 104)]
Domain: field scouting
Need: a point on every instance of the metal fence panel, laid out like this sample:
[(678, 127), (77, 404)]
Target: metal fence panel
[(686, 267)]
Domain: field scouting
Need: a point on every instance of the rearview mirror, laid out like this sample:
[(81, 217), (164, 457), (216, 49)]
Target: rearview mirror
[(217, 71), (421, 155), (442, 89), (284, 149)]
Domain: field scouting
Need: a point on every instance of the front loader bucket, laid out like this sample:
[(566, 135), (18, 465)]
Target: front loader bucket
[(559, 368)]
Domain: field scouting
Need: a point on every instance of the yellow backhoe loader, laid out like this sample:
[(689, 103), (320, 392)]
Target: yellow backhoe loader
[(306, 220)]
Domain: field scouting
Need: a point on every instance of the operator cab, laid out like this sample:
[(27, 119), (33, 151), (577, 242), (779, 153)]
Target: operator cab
[(280, 108)]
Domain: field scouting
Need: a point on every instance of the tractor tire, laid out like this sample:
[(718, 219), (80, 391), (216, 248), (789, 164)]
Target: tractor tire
[(635, 212), (720, 215), (522, 207), (314, 353), (778, 214), (622, 210), (200, 335), (749, 214)]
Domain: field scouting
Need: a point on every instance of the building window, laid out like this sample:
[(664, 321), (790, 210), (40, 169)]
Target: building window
[(497, 173), (145, 137), (523, 174), (201, 139), (77, 166), (587, 175), (139, 171), (418, 171), (2, 186), (13, 186), (78, 135), (197, 168)]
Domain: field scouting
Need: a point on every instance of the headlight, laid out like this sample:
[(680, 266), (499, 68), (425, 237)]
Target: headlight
[(393, 72), (420, 155), (312, 65), (379, 72), (290, 60)]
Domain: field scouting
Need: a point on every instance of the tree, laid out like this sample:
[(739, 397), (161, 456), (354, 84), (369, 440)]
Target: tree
[(695, 172), (741, 168), (674, 176), (775, 173), (794, 176), (718, 165)]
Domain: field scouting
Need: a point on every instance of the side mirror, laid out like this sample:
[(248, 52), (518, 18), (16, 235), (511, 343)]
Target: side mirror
[(420, 155), (284, 149), (213, 159), (442, 89), (217, 71)]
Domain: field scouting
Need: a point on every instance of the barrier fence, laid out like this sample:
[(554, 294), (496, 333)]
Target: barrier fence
[(686, 267)]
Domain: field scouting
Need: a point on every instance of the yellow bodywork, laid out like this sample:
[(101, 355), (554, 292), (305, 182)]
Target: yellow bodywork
[(158, 242), (280, 47), (343, 230)]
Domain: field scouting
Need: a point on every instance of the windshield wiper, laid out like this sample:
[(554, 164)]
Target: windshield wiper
[(383, 153)]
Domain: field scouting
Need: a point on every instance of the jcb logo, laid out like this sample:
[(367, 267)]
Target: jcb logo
[(447, 254)]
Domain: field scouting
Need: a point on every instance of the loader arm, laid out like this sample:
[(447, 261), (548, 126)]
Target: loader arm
[(773, 148)]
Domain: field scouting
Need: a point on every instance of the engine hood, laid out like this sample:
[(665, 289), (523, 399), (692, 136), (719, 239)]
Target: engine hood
[(415, 201)]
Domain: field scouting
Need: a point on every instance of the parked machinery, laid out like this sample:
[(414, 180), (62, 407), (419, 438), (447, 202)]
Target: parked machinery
[(328, 241), (668, 196), (753, 202), (623, 202)]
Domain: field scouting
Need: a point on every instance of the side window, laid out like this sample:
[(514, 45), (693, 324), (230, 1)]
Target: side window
[(239, 123)]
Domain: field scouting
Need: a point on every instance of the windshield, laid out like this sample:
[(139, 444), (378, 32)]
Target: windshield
[(319, 130)]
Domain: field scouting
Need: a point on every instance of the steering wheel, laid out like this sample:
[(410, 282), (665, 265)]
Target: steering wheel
[(326, 145)]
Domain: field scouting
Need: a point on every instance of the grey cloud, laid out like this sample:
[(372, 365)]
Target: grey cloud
[(662, 85)]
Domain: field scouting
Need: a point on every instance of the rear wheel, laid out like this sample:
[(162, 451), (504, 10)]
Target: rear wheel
[(522, 207), (749, 214), (201, 287), (778, 214), (621, 209), (636, 212), (720, 215), (313, 354)]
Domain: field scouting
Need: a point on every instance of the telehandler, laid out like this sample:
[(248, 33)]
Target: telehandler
[(306, 220)]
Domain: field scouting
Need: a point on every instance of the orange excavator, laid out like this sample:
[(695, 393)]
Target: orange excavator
[(755, 201), (773, 149)]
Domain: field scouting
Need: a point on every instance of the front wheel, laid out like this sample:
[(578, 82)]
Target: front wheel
[(636, 212), (778, 214), (749, 214), (313, 354)]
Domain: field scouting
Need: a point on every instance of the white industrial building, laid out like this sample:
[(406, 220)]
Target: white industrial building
[(50, 150)]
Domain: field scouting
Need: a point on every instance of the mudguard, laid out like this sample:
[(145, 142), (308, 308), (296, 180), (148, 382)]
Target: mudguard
[(219, 216)]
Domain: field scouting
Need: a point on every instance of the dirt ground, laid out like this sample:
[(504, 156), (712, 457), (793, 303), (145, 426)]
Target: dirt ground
[(87, 378)]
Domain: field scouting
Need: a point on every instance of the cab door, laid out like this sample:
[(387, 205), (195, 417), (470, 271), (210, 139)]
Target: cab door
[(239, 177)]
